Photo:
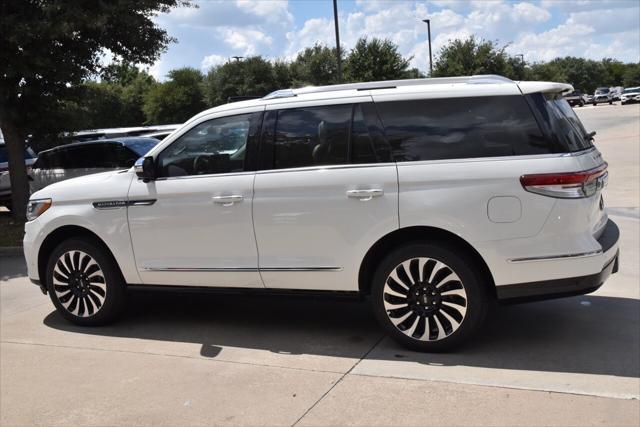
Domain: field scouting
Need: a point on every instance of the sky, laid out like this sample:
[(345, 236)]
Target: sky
[(213, 32)]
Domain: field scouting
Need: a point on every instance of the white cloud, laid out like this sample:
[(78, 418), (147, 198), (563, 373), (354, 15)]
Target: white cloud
[(245, 40), (608, 20), (211, 61), (541, 30), (271, 11), (530, 13)]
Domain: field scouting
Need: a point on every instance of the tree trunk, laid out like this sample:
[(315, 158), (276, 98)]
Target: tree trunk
[(14, 141)]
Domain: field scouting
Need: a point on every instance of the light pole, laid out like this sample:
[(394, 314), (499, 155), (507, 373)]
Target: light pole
[(428, 21), (237, 58), (521, 55), (335, 19)]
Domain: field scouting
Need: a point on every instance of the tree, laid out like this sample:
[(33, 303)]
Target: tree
[(177, 99), (473, 56), (582, 74), (315, 66), (632, 75), (50, 46), (253, 76), (374, 60)]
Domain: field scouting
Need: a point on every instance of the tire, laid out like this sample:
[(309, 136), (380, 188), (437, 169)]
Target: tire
[(595, 103), (610, 102), (84, 282), (394, 303)]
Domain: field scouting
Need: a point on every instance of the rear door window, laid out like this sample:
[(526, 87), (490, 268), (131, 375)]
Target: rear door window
[(458, 128), (306, 137)]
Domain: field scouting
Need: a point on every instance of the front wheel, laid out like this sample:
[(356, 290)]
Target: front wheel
[(429, 297), (85, 283)]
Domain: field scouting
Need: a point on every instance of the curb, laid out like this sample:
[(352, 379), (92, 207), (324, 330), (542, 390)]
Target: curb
[(11, 251)]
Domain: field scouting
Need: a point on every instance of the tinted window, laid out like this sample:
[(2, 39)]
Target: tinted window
[(461, 128), (563, 128), (214, 146), (368, 144), (4, 156), (308, 137), (142, 146), (83, 157)]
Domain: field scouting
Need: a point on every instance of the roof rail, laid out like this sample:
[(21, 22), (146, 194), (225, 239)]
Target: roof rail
[(390, 84)]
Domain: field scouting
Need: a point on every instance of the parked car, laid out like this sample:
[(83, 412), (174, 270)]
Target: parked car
[(575, 98), (602, 94), (5, 180), (434, 197), (158, 135), (111, 133), (630, 95), (588, 98), (85, 158)]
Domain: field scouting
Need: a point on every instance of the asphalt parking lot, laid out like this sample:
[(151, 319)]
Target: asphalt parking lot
[(187, 359)]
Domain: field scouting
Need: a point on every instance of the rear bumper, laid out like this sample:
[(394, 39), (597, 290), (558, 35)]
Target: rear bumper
[(548, 289)]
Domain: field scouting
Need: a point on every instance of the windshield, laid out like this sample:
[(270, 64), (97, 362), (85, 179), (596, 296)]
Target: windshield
[(632, 89), (4, 156), (141, 146), (601, 90)]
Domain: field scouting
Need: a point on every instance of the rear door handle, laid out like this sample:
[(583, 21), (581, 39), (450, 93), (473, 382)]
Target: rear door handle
[(227, 200), (365, 195)]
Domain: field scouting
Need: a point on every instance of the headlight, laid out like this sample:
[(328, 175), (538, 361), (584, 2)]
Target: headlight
[(35, 208)]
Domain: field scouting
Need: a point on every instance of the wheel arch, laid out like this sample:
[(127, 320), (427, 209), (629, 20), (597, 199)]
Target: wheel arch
[(416, 234), (61, 234)]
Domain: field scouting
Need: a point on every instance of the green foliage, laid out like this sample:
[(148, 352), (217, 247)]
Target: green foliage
[(253, 76), (49, 47), (583, 74), (632, 75), (177, 99), (374, 60), (315, 66), (473, 56)]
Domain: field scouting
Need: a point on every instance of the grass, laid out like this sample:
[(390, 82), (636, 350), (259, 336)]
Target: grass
[(11, 230)]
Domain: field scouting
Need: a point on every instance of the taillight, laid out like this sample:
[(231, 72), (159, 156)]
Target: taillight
[(570, 185)]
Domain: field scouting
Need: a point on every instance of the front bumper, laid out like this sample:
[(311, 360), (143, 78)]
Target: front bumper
[(558, 288)]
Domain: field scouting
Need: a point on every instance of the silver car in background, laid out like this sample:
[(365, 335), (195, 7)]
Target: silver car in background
[(5, 181)]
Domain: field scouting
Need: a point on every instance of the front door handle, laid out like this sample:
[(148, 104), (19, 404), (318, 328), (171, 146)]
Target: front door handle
[(365, 195), (227, 200)]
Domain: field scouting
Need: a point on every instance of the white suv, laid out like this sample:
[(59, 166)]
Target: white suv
[(435, 197)]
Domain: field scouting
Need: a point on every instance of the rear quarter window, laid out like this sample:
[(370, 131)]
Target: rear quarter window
[(458, 128), (560, 124)]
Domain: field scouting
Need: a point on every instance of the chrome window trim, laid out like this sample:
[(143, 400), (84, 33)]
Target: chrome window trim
[(556, 257), (325, 167)]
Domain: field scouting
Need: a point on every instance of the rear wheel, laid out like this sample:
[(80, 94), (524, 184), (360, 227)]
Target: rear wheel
[(84, 282), (429, 297)]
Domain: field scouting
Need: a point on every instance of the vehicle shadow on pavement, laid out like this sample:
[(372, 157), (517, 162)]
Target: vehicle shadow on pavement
[(586, 334)]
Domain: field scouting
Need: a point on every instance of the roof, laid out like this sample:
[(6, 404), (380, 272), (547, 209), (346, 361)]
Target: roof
[(125, 140), (439, 87)]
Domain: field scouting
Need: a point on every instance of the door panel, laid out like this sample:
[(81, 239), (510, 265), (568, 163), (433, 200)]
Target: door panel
[(313, 230), (199, 230), (195, 233)]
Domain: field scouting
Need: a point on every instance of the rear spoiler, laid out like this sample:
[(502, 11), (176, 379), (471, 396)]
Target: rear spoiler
[(544, 87)]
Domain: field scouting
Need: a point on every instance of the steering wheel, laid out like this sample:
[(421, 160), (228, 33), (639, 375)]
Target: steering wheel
[(202, 164)]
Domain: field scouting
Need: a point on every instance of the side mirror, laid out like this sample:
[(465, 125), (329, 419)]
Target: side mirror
[(145, 169)]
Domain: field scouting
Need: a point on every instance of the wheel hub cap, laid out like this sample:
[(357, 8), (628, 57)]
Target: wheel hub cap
[(425, 299), (79, 283)]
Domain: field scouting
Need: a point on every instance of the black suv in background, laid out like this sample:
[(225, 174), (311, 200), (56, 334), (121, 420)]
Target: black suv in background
[(575, 98), (85, 158)]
